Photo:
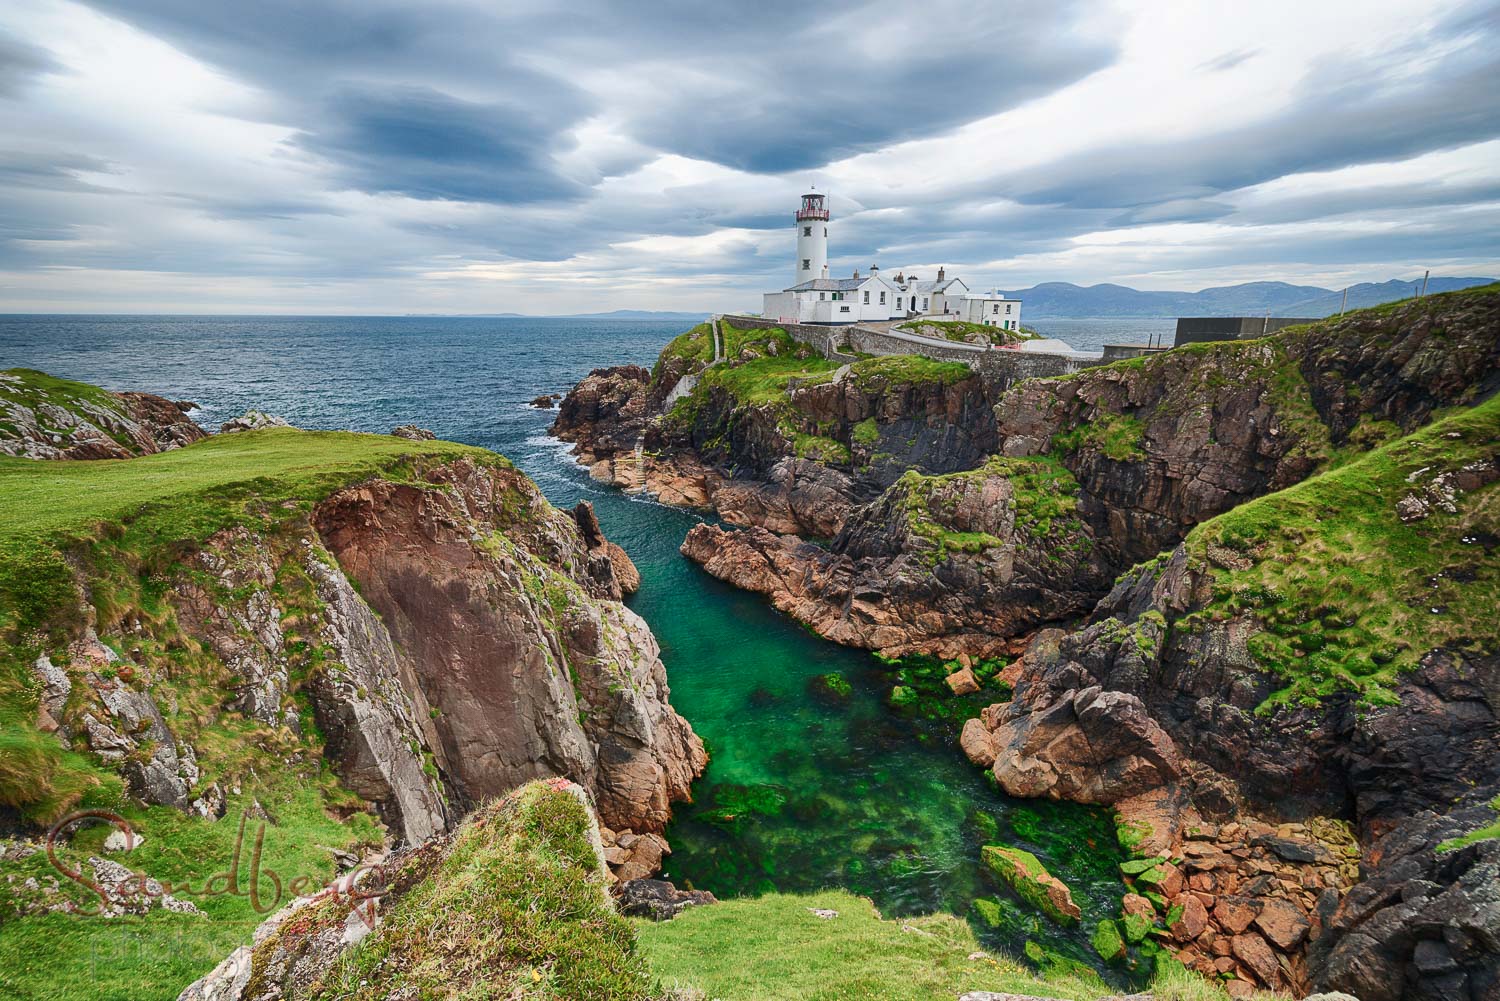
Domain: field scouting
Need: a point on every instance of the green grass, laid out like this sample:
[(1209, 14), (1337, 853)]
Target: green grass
[(152, 957), (1489, 832), (1044, 495), (1346, 595), (866, 432), (820, 449), (773, 947), (874, 374), (31, 388), (695, 345), (1115, 436), (517, 908)]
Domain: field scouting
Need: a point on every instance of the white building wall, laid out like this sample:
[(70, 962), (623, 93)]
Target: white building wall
[(950, 298), (992, 311), (780, 306)]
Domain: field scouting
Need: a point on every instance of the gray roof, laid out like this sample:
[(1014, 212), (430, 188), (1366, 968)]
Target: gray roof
[(928, 288), (835, 284)]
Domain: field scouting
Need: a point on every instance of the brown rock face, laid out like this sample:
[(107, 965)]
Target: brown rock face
[(894, 581), (1089, 746), (512, 643)]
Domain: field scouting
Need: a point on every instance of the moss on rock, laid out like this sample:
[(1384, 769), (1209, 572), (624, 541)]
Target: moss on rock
[(1024, 873)]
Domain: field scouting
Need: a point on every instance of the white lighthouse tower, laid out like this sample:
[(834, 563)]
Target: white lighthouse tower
[(812, 239)]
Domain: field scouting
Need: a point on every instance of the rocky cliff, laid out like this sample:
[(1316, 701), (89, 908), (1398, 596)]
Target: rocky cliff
[(1099, 470), (1278, 555), (774, 435), (1326, 650), (414, 613), (42, 417)]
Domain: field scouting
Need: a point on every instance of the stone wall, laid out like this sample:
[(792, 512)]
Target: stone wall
[(1119, 352)]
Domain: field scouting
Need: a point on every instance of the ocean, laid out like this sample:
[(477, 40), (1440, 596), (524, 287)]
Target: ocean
[(801, 794)]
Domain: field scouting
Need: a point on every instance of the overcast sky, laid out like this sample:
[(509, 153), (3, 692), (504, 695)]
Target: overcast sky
[(490, 155)]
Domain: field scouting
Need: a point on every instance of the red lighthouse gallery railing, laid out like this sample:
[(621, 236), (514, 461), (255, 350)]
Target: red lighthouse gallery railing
[(812, 208)]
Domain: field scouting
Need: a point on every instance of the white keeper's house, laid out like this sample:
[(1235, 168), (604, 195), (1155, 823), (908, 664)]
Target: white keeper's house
[(816, 298)]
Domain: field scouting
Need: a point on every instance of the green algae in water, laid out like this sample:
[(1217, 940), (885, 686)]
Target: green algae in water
[(877, 801)]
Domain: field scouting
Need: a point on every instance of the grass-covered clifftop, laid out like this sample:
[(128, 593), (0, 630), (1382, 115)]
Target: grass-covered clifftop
[(138, 506), (44, 417), (1353, 575), (116, 529)]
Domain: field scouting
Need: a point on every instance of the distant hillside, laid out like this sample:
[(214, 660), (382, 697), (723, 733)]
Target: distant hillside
[(1064, 299)]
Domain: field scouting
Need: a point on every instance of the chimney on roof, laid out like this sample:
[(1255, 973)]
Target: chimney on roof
[(940, 274), (900, 278)]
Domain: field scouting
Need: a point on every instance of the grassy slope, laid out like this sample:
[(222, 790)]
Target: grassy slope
[(125, 522), (1348, 596), (516, 909), (774, 947), (181, 495), (59, 957)]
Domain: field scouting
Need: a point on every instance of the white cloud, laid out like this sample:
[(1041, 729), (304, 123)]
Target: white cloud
[(146, 169)]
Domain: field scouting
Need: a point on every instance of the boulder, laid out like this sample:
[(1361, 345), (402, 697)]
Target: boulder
[(412, 432), (658, 899), (1252, 950), (1282, 923), (252, 420), (962, 682)]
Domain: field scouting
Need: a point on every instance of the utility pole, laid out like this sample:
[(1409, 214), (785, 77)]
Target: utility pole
[(1344, 305), (1425, 275)]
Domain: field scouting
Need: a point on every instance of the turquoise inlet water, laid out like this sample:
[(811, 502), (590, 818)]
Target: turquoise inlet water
[(804, 790)]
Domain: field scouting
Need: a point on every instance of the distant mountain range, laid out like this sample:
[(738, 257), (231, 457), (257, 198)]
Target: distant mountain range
[(1063, 299)]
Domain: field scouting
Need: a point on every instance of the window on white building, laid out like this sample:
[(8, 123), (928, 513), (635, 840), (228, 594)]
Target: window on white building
[(843, 309), (882, 298), (822, 296), (825, 230), (806, 264), (924, 305), (995, 308), (807, 231), (1007, 309), (867, 297)]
